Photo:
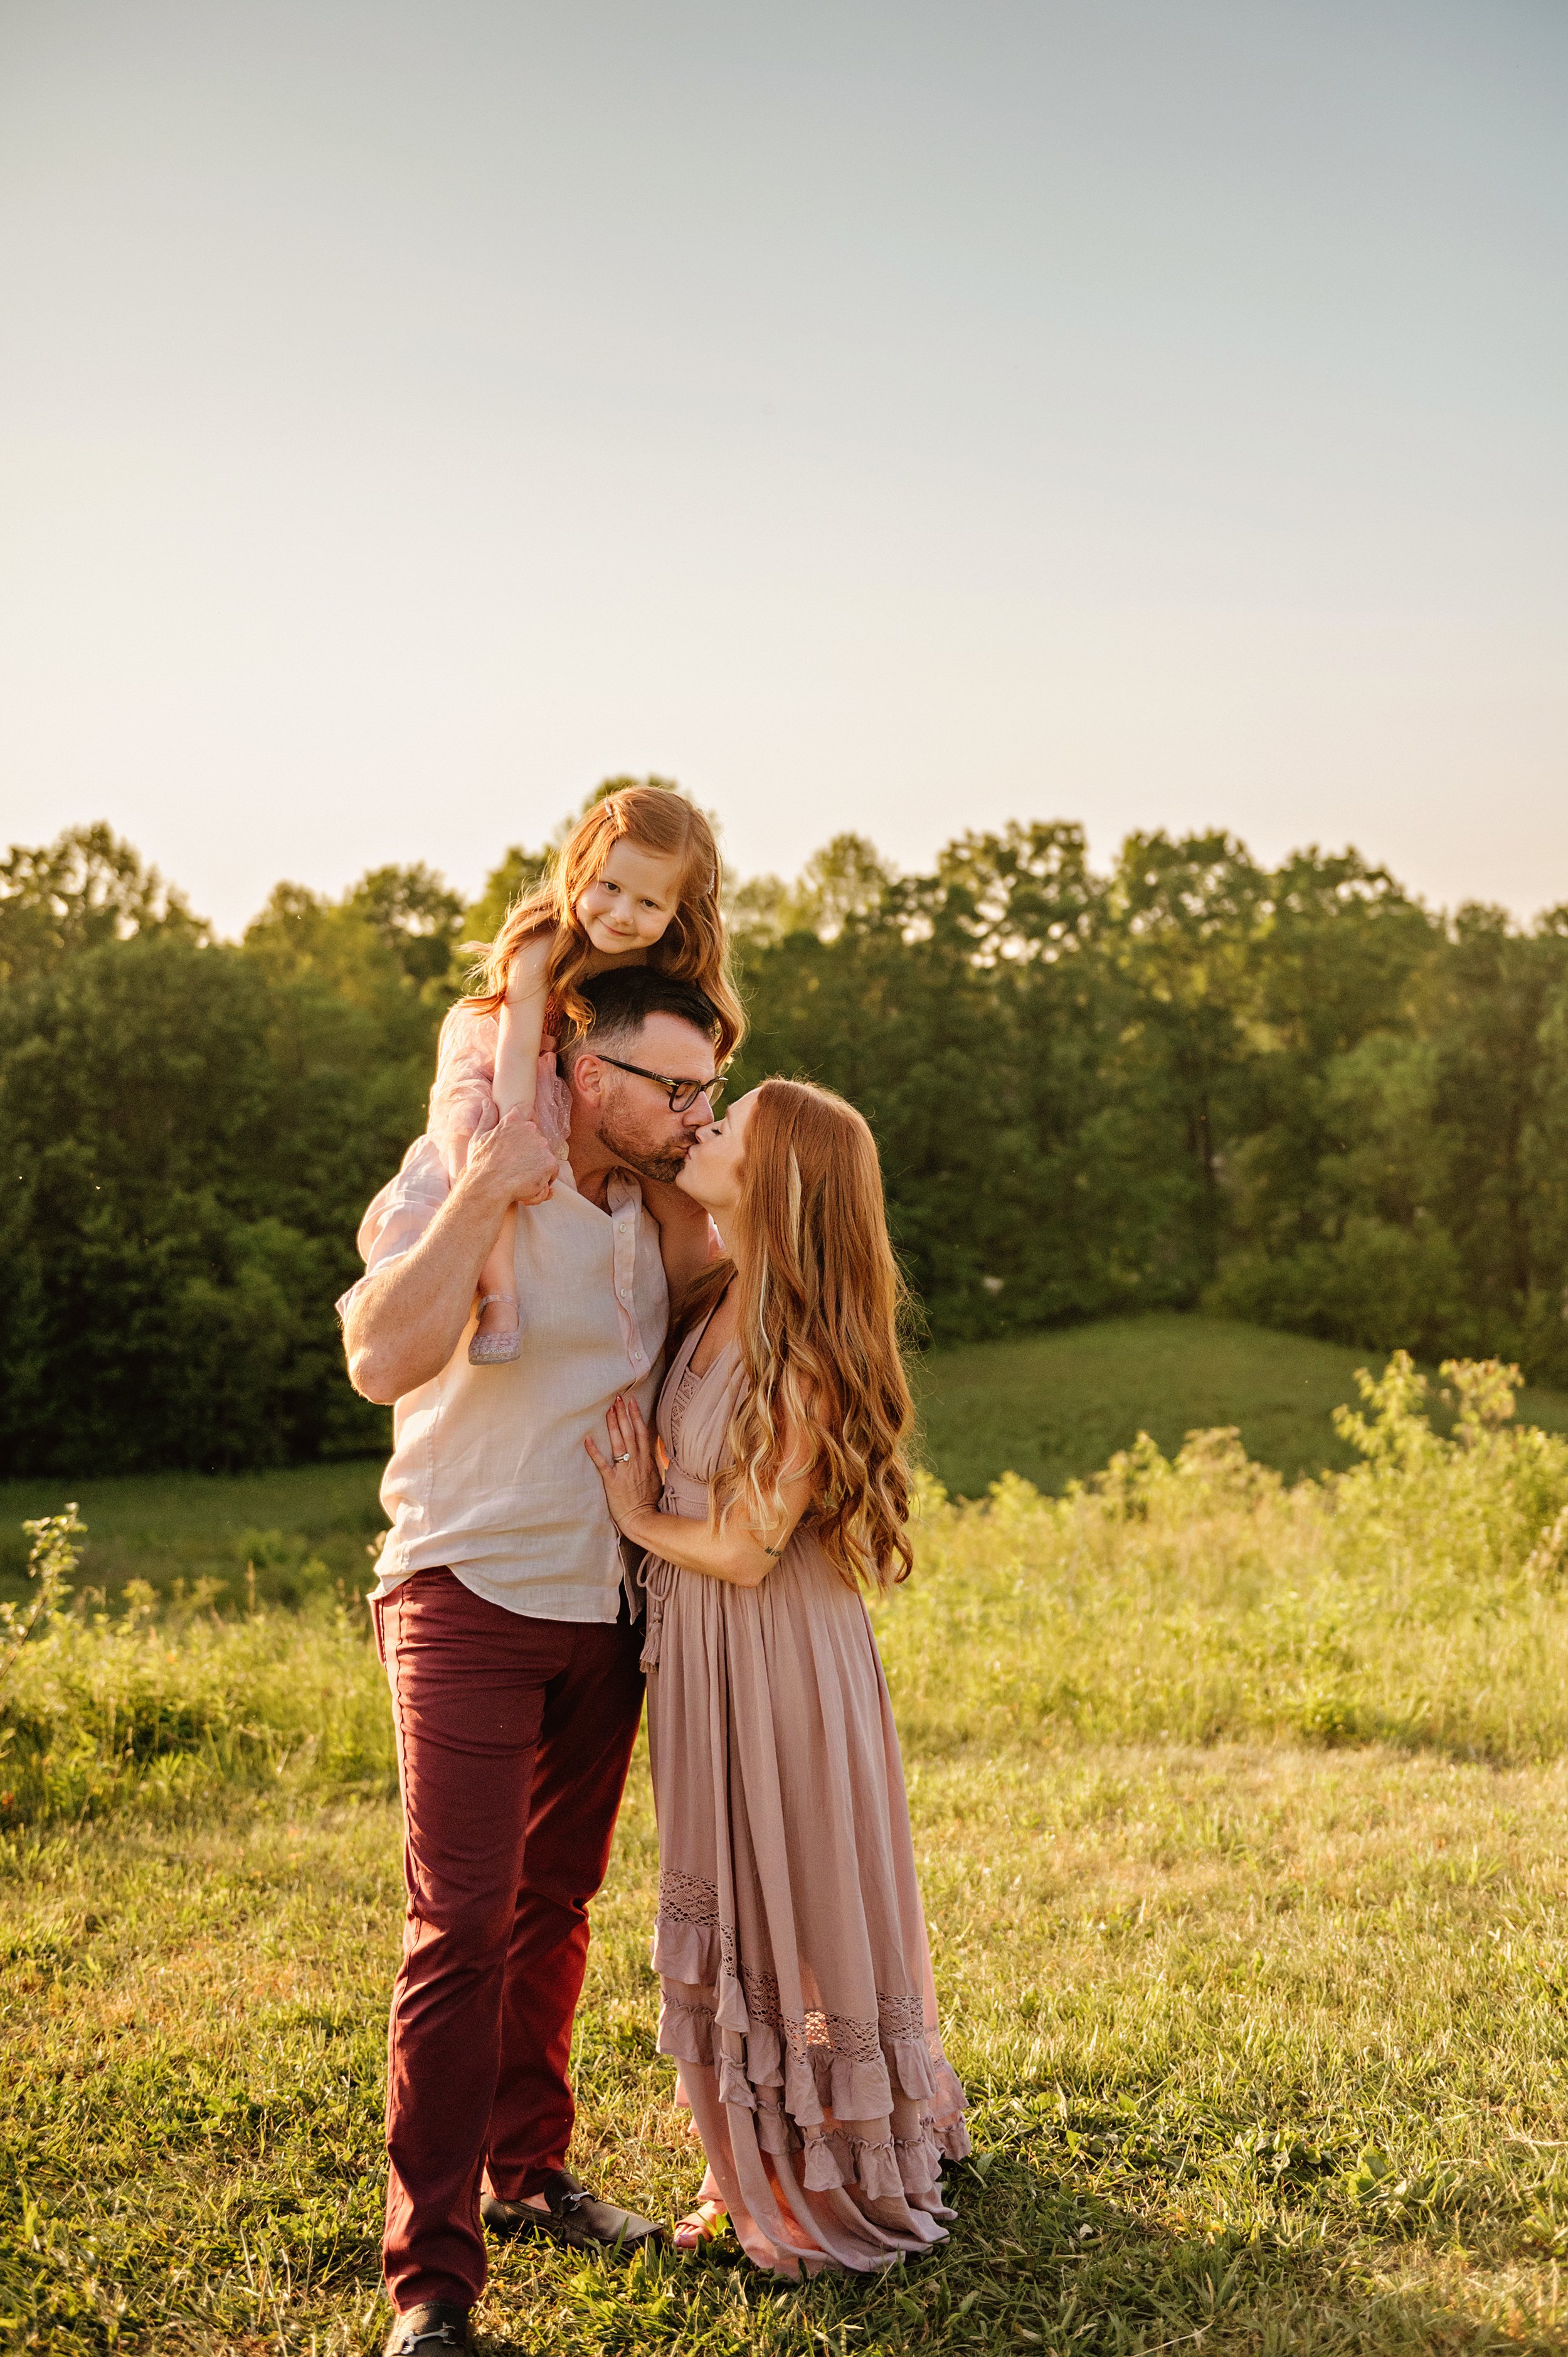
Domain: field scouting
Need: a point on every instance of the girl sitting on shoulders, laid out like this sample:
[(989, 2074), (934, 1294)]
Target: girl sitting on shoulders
[(636, 883)]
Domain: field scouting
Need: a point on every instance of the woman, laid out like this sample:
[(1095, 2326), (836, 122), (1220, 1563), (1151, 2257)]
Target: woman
[(790, 1945)]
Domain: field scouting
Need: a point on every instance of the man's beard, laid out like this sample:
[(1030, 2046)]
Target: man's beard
[(664, 1163)]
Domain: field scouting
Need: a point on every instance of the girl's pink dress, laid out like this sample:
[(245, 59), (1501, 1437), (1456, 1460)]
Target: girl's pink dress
[(462, 1100), (790, 1945)]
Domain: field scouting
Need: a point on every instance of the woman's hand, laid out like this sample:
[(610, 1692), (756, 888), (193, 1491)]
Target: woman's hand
[(629, 1473)]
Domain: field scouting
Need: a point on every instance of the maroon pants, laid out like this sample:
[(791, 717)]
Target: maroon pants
[(513, 1739)]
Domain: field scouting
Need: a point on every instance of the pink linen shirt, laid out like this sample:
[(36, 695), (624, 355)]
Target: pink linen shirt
[(488, 1474)]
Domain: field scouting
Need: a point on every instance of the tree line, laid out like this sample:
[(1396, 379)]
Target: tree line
[(1294, 1095)]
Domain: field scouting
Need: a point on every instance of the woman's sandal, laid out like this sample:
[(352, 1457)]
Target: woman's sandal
[(704, 2224), (497, 1350)]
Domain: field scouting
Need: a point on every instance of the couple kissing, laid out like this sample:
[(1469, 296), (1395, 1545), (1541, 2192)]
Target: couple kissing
[(568, 1527)]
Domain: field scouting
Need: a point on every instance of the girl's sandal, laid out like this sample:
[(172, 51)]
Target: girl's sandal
[(497, 1350), (704, 2224)]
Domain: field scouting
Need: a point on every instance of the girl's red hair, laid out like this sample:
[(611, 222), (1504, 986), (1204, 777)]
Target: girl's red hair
[(657, 820)]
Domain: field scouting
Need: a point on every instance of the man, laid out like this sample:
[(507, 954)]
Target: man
[(501, 1619)]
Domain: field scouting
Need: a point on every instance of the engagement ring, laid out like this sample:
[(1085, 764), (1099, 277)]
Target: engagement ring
[(626, 1460)]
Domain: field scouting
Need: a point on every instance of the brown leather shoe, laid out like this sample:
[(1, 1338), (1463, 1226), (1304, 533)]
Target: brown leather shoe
[(429, 2330), (575, 2217)]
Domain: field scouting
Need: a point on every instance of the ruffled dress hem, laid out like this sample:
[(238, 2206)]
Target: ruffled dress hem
[(838, 2112)]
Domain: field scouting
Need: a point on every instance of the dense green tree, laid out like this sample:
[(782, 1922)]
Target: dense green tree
[(172, 1271), (1296, 1094), (1544, 1161), (193, 1131), (414, 914), (84, 889), (966, 1013), (1185, 919), (1397, 1186), (1483, 1008)]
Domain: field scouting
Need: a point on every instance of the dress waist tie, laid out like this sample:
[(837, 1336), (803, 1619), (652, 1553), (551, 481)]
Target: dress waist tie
[(683, 1495)]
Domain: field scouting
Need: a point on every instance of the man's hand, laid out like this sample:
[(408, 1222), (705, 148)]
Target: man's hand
[(406, 1319), (513, 1162)]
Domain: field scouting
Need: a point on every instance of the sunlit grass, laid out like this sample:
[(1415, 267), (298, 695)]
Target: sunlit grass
[(1417, 1599), (278, 1536), (1264, 2043), (1242, 1817)]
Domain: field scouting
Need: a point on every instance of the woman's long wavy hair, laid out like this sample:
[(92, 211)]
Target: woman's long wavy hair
[(821, 1302), (655, 819)]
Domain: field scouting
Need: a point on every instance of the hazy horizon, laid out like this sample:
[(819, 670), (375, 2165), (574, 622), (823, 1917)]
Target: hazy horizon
[(874, 419), (1102, 858)]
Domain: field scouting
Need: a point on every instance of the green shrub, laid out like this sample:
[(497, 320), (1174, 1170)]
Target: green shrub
[(1376, 1285), (1415, 1598), (141, 1709), (1420, 1598)]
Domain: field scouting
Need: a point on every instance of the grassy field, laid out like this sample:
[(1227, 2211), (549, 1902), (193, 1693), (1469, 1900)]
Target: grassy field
[(1051, 1407), (1242, 1817), (279, 1535), (1266, 2049)]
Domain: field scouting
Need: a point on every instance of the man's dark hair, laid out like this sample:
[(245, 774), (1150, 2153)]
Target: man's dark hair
[(623, 999)]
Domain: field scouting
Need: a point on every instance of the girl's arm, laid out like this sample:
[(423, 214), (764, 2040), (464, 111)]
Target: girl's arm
[(735, 1553), (521, 1025)]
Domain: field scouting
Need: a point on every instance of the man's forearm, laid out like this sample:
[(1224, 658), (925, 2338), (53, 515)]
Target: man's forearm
[(405, 1321)]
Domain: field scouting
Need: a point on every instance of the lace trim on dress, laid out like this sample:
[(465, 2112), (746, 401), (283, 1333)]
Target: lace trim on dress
[(692, 1898), (900, 2016), (679, 1401), (904, 2160), (688, 1898), (858, 2041)]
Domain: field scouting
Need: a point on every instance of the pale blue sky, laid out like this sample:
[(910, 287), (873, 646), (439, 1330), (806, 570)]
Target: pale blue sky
[(896, 416)]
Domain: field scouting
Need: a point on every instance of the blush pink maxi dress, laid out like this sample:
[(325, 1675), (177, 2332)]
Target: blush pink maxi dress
[(791, 1944)]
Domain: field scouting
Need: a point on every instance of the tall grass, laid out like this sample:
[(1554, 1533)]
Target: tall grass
[(1420, 1598), (1417, 1599), (154, 1710)]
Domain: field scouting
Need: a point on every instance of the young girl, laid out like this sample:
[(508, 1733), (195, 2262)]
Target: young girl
[(636, 883)]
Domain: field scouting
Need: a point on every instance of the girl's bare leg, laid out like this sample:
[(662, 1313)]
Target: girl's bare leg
[(497, 1338)]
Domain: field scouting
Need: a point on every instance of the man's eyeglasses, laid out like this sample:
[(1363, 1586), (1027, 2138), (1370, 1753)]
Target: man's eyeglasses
[(683, 1095)]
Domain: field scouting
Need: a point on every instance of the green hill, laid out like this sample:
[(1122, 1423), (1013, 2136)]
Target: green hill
[(1049, 1406), (1053, 1405), (273, 1534)]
